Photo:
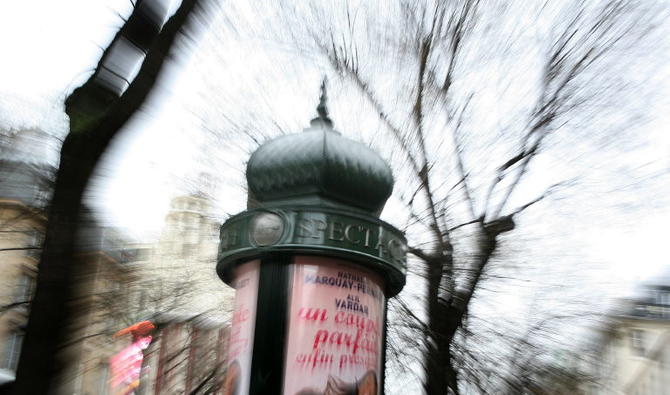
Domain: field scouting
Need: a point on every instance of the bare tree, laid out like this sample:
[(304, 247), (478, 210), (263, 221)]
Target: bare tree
[(437, 47), (468, 96), (97, 112)]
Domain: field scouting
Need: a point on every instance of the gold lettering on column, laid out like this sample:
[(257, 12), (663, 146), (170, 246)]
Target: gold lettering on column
[(320, 228), (305, 227), (336, 231), (367, 235), (380, 247), (348, 235)]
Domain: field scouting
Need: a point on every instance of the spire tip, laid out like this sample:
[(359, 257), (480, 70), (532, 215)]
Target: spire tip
[(322, 109)]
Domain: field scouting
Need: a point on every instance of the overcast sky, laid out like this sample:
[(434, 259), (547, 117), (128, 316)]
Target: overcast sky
[(49, 47)]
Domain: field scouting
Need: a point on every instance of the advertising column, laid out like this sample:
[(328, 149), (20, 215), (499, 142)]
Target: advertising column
[(335, 323), (240, 346)]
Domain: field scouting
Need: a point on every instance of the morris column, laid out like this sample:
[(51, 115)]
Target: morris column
[(312, 265)]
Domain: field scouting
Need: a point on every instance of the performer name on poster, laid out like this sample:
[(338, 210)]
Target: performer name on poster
[(344, 280), (351, 303)]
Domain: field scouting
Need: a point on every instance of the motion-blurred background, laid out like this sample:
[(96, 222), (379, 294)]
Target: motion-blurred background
[(529, 146)]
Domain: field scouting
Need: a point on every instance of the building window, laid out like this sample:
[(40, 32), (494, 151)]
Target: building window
[(25, 288), (103, 380), (637, 341), (665, 298), (12, 351), (34, 244)]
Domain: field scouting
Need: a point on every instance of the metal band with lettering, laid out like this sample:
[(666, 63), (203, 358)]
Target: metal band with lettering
[(320, 231)]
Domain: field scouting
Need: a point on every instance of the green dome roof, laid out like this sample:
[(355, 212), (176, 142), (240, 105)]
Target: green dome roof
[(319, 166), (316, 193)]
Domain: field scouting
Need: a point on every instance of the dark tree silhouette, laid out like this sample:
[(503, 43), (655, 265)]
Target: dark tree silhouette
[(464, 122), (97, 110), (434, 47)]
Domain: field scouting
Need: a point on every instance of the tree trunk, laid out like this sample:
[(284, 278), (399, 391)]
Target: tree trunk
[(445, 317), (97, 114), (47, 329), (440, 374)]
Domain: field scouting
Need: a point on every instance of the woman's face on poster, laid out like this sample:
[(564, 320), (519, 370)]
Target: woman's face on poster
[(368, 386)]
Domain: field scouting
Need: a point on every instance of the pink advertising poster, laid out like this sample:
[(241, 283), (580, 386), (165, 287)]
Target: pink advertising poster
[(126, 366), (334, 342), (240, 345)]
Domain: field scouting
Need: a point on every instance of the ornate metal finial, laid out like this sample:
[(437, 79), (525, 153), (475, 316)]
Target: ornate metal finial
[(321, 109)]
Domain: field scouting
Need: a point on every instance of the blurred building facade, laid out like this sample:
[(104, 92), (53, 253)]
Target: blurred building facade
[(171, 282), (178, 289), (101, 271), (23, 192), (186, 356), (180, 276), (633, 354), (98, 303)]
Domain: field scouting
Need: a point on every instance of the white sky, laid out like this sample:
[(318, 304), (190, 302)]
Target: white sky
[(47, 49)]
